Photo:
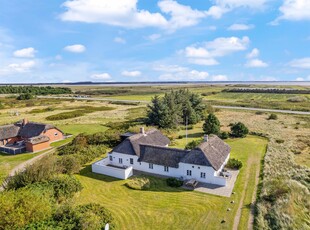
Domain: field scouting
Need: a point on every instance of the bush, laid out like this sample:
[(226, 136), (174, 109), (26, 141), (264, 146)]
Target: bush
[(40, 171), (139, 183), (224, 135), (174, 182), (259, 113), (273, 116), (62, 187), (193, 144), (25, 96), (68, 164), (279, 141), (239, 130), (234, 164), (22, 207)]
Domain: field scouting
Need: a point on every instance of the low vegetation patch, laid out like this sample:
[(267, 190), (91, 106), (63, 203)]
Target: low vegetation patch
[(234, 164), (44, 110), (174, 182), (34, 90), (273, 116), (77, 113), (139, 183)]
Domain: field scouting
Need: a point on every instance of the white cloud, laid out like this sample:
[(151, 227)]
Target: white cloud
[(268, 78), (253, 54), (216, 12), (303, 63), (25, 53), (21, 67), (170, 68), (240, 27), (119, 40), (131, 73), (190, 75), (154, 37), (256, 63), (223, 46), (219, 78), (78, 48), (180, 15), (58, 57), (299, 79), (231, 4), (203, 61), (101, 76), (294, 10), (206, 53)]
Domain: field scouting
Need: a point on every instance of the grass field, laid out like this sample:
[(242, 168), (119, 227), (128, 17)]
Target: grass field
[(163, 207)]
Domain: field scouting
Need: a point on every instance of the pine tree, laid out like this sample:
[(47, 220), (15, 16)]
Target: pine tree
[(211, 125)]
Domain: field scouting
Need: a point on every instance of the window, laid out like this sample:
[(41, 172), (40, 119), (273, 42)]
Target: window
[(56, 134), (193, 166), (198, 167), (111, 158), (166, 168), (189, 172), (150, 166), (120, 160), (203, 175), (131, 161)]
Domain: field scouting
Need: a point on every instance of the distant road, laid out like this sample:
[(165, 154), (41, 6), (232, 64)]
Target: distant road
[(215, 106)]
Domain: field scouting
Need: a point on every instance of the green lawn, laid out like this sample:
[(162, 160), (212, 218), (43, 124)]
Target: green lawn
[(163, 207), (82, 128)]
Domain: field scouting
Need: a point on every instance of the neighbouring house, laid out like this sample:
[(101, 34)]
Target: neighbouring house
[(149, 152), (27, 136)]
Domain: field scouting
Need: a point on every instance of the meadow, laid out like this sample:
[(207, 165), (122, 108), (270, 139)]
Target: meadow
[(287, 157)]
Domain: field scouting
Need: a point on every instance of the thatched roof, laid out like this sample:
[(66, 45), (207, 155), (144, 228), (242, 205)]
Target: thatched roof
[(33, 129), (131, 145), (209, 153), (161, 155), (9, 131), (151, 148), (38, 139)]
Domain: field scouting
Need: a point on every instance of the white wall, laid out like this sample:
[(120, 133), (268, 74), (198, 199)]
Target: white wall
[(102, 168), (211, 175)]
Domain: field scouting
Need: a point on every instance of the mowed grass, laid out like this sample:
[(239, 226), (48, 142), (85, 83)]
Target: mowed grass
[(163, 207)]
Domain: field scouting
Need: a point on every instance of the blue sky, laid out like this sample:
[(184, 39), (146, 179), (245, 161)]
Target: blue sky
[(166, 40)]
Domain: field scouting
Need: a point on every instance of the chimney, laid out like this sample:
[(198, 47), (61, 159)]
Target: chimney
[(25, 121), (142, 130), (205, 138)]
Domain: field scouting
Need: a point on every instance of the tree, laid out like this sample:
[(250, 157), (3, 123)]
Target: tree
[(174, 108), (211, 125), (239, 130), (25, 96)]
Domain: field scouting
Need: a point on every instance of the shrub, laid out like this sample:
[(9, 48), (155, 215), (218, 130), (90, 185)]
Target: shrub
[(193, 144), (61, 187), (22, 207), (40, 171), (239, 130), (139, 183), (279, 141), (224, 135), (273, 116), (68, 164), (25, 96), (174, 182), (259, 113), (234, 164)]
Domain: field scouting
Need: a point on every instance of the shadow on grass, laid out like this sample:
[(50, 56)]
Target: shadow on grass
[(194, 135), (157, 184)]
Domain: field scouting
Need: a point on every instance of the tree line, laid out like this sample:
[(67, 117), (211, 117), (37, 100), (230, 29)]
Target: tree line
[(267, 90), (174, 108), (42, 90)]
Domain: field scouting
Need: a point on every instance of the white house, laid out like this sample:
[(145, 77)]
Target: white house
[(149, 152)]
